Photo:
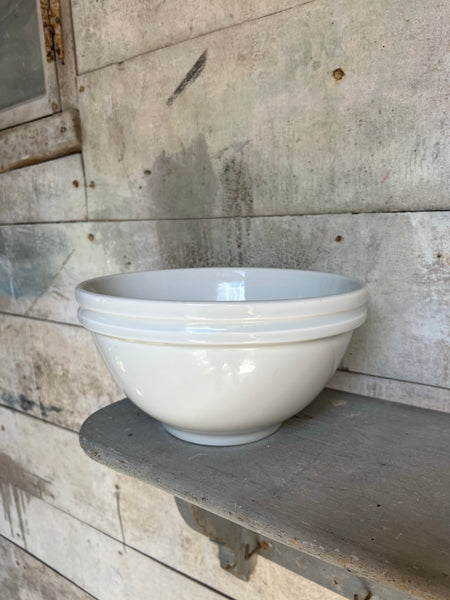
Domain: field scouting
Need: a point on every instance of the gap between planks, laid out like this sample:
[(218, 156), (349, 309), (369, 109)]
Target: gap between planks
[(196, 37), (230, 218), (22, 549), (122, 543)]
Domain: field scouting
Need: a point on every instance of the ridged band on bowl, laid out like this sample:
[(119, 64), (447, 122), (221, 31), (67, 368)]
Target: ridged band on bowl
[(222, 333), (221, 322)]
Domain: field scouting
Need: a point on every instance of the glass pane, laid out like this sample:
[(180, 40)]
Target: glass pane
[(21, 67)]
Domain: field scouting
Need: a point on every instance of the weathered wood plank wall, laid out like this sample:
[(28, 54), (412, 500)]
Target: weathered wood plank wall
[(40, 140), (266, 128), (258, 155), (56, 375), (49, 191), (116, 31), (23, 577), (133, 513), (403, 257)]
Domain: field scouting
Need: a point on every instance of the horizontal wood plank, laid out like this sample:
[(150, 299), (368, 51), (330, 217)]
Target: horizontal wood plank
[(320, 109), (24, 577), (114, 31), (139, 515), (95, 561), (393, 390), (403, 257), (49, 191), (41, 140), (52, 371), (355, 481)]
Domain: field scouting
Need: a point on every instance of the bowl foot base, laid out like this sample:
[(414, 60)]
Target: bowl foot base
[(217, 439)]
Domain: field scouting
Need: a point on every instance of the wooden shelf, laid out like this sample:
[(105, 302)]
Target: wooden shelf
[(357, 482)]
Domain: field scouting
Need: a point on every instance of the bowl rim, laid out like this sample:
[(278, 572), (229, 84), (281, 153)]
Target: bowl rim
[(204, 310)]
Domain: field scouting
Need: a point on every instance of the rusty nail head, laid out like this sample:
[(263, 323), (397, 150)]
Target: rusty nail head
[(338, 74)]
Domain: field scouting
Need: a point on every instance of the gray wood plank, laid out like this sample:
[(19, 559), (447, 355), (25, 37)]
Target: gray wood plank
[(40, 140), (129, 511), (403, 257), (45, 366), (50, 191), (265, 128), (114, 31), (356, 482), (94, 561), (24, 577)]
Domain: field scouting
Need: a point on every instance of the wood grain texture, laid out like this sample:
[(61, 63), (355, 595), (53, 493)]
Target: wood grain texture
[(371, 498), (41, 140), (96, 562), (266, 128), (133, 513), (67, 68), (50, 191), (24, 577), (52, 371), (393, 390), (113, 31), (403, 257)]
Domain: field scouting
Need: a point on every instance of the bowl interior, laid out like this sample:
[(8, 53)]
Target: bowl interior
[(222, 285)]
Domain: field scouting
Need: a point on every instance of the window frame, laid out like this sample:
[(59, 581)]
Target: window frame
[(42, 106)]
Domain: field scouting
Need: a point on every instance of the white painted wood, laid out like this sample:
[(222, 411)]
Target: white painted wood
[(52, 371), (49, 191), (125, 508), (393, 390), (96, 562), (265, 128), (114, 31), (23, 577), (403, 257), (40, 140)]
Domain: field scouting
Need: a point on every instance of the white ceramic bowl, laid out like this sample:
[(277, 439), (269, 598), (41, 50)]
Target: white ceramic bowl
[(222, 356)]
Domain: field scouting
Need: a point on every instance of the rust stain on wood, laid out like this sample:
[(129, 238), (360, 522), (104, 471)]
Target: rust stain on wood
[(51, 21), (338, 74)]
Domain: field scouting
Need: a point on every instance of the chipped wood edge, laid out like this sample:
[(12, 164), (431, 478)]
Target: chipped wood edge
[(40, 140)]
